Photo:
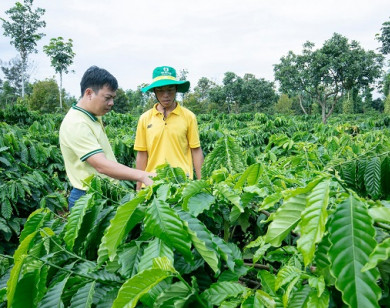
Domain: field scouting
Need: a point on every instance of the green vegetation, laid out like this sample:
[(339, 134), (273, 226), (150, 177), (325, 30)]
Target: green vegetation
[(293, 209), (290, 213)]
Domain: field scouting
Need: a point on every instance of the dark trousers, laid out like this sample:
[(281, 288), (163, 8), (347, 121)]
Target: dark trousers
[(75, 194)]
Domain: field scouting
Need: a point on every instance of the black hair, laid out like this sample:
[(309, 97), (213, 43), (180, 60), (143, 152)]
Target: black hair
[(96, 78)]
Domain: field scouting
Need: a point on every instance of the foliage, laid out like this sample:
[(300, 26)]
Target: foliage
[(13, 75), (284, 105), (384, 38), (275, 221), (23, 30), (122, 104), (44, 96), (324, 74), (387, 105), (61, 57)]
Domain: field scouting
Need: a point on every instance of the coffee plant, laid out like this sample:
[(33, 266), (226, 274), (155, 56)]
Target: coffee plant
[(289, 213)]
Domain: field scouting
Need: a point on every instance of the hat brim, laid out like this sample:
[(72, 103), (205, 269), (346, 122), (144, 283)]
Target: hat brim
[(182, 85)]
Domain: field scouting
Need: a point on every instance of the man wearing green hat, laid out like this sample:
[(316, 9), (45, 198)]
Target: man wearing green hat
[(168, 133)]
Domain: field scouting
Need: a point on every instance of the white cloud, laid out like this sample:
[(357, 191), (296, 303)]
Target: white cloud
[(206, 37)]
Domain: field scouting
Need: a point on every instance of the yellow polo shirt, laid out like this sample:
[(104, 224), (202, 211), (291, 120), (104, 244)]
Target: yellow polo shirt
[(170, 140), (81, 136)]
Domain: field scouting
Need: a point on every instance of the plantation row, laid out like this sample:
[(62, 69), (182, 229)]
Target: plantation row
[(289, 213)]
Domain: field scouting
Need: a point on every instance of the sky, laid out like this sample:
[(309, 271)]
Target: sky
[(206, 37)]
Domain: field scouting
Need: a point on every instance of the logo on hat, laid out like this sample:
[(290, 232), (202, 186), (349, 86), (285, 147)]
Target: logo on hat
[(167, 71)]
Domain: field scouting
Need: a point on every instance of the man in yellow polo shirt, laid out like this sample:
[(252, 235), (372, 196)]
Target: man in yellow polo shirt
[(168, 133), (84, 144)]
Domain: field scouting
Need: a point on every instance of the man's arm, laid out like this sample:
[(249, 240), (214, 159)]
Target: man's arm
[(140, 163), (118, 171), (197, 158)]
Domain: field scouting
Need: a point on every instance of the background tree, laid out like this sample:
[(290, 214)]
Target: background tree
[(384, 38), (13, 71), (183, 76), (387, 105), (8, 94), (23, 30), (258, 94), (327, 73), (61, 57), (284, 105), (44, 96), (137, 100), (121, 101), (203, 87)]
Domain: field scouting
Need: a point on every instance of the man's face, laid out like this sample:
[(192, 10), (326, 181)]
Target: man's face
[(102, 101), (166, 95)]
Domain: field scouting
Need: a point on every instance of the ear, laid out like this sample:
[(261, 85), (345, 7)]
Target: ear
[(88, 92)]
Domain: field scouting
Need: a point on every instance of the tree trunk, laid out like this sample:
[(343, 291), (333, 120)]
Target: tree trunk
[(323, 113), (23, 72), (300, 104), (61, 90)]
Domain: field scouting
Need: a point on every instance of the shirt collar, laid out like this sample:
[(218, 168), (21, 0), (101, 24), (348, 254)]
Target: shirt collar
[(90, 115), (177, 110)]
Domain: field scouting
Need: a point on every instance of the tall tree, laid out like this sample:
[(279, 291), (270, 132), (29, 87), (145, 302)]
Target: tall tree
[(23, 30), (12, 71), (384, 38), (327, 73), (61, 57)]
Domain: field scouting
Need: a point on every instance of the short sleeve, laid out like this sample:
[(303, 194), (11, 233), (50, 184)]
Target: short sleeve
[(140, 137), (193, 133)]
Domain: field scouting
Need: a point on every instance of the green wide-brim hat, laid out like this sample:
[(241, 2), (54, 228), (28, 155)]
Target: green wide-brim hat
[(166, 76)]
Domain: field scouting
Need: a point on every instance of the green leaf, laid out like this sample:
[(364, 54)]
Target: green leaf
[(133, 289), (26, 290), (156, 248), (285, 275), (198, 203), (385, 174), (163, 222), (318, 301), (268, 282), (126, 217), (220, 291), (372, 177), (380, 214), (352, 239), (175, 294), (225, 252), (380, 253), (348, 172), (193, 188), (313, 220), (285, 219), (201, 239), (34, 222), (265, 299), (227, 154), (229, 194), (52, 298), (251, 176), (270, 201), (300, 298), (83, 296), (287, 292), (128, 258), (6, 209), (19, 258), (75, 219)]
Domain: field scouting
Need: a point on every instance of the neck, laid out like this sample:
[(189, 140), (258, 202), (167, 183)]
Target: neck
[(168, 109)]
